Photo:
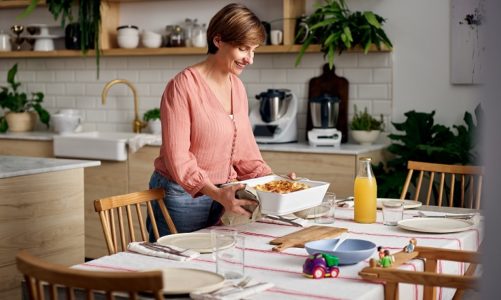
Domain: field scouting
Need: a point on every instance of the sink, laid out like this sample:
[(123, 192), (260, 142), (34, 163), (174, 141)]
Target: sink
[(93, 144)]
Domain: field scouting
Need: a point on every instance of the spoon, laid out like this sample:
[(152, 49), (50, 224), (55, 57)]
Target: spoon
[(341, 240)]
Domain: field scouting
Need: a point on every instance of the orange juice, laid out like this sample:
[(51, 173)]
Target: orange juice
[(365, 199)]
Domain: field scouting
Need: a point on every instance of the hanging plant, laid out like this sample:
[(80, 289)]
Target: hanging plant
[(88, 19), (336, 29)]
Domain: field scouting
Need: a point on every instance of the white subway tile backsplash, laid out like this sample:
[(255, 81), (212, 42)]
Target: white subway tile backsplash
[(58, 89), (45, 76), (270, 76), (72, 82), (374, 60), (371, 91), (360, 75)]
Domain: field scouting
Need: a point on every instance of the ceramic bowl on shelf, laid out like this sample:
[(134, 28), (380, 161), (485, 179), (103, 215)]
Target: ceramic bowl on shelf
[(128, 42), (151, 39)]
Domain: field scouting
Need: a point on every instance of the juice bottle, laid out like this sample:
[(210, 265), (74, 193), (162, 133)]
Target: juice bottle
[(365, 192)]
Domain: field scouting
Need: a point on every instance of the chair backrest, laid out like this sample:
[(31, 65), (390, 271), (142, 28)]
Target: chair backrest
[(63, 280), (111, 211), (442, 179)]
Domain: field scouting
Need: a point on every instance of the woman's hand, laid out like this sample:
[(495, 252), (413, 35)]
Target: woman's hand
[(227, 199), (226, 196)]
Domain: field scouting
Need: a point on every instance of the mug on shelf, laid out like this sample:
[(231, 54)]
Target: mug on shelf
[(276, 37)]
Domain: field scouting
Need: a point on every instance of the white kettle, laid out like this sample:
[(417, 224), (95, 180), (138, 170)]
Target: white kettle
[(67, 121)]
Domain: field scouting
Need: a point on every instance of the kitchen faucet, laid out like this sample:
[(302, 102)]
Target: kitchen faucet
[(137, 124)]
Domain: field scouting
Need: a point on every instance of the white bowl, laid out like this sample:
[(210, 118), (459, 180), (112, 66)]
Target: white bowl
[(128, 42), (127, 30), (364, 137), (44, 45), (152, 42)]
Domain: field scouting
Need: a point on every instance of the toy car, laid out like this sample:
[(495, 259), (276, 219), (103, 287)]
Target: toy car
[(320, 265)]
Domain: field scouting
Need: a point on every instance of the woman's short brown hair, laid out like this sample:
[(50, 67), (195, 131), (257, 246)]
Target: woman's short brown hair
[(237, 25)]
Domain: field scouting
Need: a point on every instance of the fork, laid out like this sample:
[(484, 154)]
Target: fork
[(286, 220), (230, 287), (164, 248)]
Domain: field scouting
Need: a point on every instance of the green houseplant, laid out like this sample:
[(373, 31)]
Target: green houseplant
[(365, 128), (19, 105), (336, 28), (152, 117)]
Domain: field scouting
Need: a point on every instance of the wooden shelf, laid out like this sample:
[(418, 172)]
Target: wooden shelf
[(18, 3), (162, 51)]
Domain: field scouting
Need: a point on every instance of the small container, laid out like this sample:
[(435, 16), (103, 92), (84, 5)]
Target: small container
[(127, 30), (199, 36), (393, 211), (169, 29), (5, 44), (177, 37)]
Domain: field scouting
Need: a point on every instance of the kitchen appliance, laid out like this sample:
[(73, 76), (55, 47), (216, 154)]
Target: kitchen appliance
[(274, 118), (324, 110)]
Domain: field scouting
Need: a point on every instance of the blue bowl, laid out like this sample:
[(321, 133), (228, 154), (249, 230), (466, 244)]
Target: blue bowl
[(351, 251)]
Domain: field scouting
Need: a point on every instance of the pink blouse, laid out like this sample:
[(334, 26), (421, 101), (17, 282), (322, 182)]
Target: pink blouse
[(200, 141)]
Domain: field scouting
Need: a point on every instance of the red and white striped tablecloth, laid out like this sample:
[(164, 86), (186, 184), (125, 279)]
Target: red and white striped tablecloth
[(284, 269)]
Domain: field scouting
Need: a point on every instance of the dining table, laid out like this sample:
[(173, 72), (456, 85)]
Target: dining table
[(284, 269)]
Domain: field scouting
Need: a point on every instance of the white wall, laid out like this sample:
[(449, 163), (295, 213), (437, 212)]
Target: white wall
[(420, 33)]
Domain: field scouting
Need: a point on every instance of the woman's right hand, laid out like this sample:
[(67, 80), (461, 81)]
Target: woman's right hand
[(226, 196)]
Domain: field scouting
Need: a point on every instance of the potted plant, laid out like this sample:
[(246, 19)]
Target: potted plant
[(336, 28), (152, 117), (21, 109), (365, 128)]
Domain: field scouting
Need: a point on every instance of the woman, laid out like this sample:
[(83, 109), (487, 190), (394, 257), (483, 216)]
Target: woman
[(207, 138)]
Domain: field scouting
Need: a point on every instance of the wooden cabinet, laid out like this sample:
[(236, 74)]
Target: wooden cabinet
[(42, 213), (110, 15), (337, 169), (26, 148)]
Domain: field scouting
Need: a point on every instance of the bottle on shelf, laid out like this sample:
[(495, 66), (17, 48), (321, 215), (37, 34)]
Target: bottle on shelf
[(199, 36), (177, 37), (365, 192), (188, 30)]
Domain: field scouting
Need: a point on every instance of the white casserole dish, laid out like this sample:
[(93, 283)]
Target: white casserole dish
[(283, 204)]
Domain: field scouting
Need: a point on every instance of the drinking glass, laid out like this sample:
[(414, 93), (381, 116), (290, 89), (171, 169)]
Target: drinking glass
[(324, 213), (393, 211), (228, 248)]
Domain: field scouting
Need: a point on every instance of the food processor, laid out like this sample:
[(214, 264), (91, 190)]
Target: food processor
[(324, 111), (274, 118)]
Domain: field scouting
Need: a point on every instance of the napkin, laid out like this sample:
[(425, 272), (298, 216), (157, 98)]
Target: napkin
[(139, 140), (169, 252), (248, 193), (229, 291)]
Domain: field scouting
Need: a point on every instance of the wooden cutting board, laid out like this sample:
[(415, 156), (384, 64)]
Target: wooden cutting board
[(301, 237)]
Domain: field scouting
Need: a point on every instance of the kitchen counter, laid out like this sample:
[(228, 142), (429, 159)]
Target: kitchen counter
[(147, 139), (351, 149), (11, 166)]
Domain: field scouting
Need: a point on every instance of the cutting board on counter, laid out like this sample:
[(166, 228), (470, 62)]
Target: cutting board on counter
[(333, 85), (301, 237)]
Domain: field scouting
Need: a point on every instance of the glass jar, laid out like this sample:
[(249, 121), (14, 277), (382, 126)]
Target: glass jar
[(365, 192), (188, 29), (199, 36), (177, 37), (169, 29)]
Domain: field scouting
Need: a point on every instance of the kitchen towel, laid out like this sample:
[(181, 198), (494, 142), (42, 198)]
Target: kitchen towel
[(232, 219), (230, 291), (139, 140), (163, 251)]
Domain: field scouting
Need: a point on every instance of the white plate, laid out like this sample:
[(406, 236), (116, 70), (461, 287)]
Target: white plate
[(184, 281), (309, 213), (435, 225), (200, 242), (407, 203)]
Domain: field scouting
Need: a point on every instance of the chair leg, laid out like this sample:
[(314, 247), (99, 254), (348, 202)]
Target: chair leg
[(391, 291)]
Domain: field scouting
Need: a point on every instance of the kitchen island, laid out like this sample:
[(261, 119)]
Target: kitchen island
[(42, 211)]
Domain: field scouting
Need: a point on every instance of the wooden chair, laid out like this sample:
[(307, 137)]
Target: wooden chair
[(71, 282), (429, 278), (111, 208), (469, 177)]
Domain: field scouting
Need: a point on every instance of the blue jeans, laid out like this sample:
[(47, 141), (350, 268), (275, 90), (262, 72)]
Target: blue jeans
[(189, 214)]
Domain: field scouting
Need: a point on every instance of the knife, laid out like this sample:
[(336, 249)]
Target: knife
[(451, 216), (240, 290)]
